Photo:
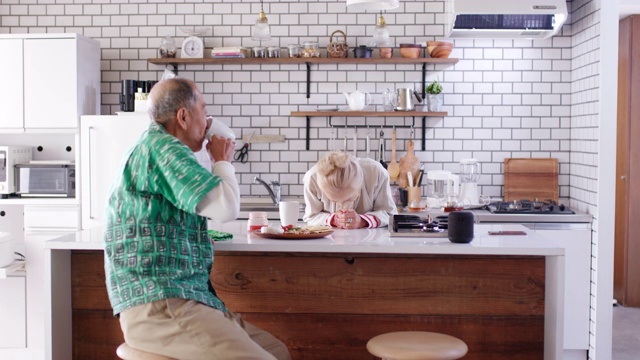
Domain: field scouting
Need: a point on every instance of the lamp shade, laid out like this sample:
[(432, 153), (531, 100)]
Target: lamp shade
[(372, 5)]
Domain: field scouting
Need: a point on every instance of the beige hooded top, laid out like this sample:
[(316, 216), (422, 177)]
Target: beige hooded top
[(374, 204)]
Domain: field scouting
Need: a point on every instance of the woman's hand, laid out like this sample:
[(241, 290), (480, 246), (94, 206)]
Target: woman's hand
[(348, 219)]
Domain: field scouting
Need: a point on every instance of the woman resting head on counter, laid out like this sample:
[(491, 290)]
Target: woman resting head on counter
[(348, 193)]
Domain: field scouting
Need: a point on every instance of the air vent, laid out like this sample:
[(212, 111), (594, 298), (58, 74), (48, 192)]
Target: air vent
[(504, 22)]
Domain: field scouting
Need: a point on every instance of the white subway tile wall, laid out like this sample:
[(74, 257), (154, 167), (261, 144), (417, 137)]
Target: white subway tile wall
[(585, 122), (505, 98)]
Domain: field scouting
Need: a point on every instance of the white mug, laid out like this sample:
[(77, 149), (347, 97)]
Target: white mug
[(289, 213)]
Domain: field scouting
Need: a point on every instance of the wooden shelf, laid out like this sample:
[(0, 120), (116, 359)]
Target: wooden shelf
[(287, 60), (330, 114), (369, 113)]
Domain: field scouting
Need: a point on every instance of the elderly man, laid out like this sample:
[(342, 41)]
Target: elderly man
[(158, 255)]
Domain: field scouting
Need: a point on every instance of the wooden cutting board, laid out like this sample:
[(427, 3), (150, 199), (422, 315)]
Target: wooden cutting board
[(530, 179)]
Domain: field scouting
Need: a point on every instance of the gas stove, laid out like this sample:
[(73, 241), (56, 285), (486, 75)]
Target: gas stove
[(416, 226), (548, 207)]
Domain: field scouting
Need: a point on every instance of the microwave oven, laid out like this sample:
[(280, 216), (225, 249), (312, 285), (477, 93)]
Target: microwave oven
[(46, 179), (9, 157)]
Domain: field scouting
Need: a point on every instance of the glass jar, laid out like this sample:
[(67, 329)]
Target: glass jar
[(310, 49), (257, 220), (273, 52), (294, 50), (259, 52), (168, 47)]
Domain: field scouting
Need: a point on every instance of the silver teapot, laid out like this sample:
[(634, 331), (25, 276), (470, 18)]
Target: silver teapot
[(402, 99)]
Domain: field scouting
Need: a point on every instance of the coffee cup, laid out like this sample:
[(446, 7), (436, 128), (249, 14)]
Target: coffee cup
[(289, 212)]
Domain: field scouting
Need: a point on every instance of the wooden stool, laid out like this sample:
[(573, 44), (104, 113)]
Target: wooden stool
[(126, 352), (417, 345)]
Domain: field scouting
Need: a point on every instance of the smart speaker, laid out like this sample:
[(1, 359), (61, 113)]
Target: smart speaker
[(461, 227)]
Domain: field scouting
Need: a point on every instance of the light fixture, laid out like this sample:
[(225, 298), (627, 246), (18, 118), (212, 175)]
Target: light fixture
[(372, 5), (261, 31), (380, 33)]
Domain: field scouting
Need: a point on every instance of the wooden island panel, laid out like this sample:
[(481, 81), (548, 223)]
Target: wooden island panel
[(327, 306)]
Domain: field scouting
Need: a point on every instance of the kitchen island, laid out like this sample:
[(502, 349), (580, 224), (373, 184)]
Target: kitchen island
[(325, 298)]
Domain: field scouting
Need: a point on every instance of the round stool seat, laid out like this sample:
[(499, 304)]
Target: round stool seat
[(417, 345), (126, 352)]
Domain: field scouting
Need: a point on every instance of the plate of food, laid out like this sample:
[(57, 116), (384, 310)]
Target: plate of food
[(294, 233)]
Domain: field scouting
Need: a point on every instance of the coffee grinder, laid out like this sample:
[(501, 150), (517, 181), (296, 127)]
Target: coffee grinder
[(469, 175)]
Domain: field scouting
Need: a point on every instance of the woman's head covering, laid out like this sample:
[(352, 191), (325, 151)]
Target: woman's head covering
[(340, 176)]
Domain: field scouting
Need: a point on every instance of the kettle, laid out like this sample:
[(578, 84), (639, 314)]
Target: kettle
[(357, 100), (402, 100)]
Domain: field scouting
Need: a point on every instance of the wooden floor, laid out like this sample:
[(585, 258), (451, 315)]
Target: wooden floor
[(329, 306)]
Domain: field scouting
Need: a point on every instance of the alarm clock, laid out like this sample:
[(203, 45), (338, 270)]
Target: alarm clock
[(192, 48)]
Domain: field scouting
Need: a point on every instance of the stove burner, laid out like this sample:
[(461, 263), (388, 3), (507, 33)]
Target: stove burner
[(529, 207), (427, 224)]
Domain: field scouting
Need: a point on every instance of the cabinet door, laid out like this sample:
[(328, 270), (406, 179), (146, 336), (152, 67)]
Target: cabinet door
[(577, 245), (104, 140), (11, 86), (13, 327), (11, 221), (50, 83)]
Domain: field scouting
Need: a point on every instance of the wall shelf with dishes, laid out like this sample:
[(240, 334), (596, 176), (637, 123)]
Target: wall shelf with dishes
[(307, 61), (347, 114)]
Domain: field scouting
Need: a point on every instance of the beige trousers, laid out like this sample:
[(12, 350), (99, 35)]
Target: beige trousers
[(188, 330)]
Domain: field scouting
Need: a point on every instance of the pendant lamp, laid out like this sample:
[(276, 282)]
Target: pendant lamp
[(380, 33), (261, 31), (372, 5)]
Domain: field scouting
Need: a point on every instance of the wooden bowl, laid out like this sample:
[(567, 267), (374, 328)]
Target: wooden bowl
[(439, 49), (411, 51)]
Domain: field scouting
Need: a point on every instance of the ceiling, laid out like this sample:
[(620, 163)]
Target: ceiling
[(629, 7)]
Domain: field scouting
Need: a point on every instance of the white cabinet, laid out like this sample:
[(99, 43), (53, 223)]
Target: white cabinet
[(104, 141), (50, 80), (11, 86), (13, 312), (575, 238)]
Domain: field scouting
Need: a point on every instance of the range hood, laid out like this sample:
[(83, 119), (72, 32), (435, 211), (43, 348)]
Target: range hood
[(515, 19)]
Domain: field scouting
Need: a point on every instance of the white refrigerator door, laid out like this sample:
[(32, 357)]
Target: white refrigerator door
[(104, 141)]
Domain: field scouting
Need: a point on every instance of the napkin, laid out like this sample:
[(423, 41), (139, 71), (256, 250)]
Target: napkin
[(216, 235)]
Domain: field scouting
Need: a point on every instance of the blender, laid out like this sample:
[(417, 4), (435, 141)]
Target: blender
[(440, 183), (469, 175)]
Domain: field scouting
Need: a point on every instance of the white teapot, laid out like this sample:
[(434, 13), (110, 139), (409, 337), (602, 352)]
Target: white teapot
[(357, 100)]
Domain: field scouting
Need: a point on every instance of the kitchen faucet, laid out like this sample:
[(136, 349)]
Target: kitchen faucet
[(274, 189)]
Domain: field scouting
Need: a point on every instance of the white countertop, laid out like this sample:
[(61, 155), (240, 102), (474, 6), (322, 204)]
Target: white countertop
[(375, 241)]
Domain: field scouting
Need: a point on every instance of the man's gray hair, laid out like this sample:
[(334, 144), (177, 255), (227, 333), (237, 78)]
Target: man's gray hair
[(168, 98)]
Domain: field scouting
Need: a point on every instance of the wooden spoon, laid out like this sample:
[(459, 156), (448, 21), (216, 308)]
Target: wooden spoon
[(393, 168)]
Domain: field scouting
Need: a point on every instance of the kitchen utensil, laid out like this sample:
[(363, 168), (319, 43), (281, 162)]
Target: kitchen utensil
[(411, 51), (439, 49), (469, 175), (402, 100), (394, 167), (338, 48), (362, 51), (408, 163), (381, 150), (357, 100), (219, 128), (410, 178), (530, 179), (242, 154)]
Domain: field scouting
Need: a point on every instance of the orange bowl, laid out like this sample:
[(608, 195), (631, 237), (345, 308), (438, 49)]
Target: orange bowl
[(439, 49)]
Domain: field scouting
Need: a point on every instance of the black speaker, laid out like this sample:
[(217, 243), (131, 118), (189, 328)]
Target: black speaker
[(461, 227), (127, 95)]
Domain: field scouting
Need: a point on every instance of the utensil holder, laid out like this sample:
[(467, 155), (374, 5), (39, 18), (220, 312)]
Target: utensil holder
[(413, 193)]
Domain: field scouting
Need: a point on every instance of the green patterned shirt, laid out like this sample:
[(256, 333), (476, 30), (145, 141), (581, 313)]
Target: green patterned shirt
[(156, 247)]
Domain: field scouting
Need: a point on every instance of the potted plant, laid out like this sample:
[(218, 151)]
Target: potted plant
[(435, 98)]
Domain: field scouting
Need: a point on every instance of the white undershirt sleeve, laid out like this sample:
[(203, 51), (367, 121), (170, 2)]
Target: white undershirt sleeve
[(222, 203)]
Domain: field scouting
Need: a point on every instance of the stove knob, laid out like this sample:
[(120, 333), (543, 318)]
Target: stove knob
[(561, 207), (551, 207)]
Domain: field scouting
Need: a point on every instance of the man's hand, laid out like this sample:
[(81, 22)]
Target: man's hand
[(348, 219), (221, 149)]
